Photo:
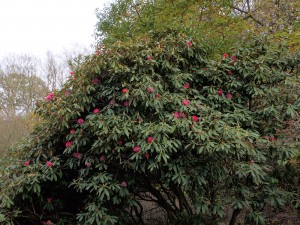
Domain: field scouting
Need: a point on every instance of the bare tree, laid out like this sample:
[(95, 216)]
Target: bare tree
[(56, 67), (20, 86)]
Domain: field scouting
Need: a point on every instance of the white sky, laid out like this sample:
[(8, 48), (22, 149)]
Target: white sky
[(35, 26)]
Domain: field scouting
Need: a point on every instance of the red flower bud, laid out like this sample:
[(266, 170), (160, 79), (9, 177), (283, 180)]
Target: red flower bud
[(195, 118), (189, 43), (136, 149), (186, 86), (80, 121), (150, 139), (185, 102), (150, 89), (147, 156), (49, 164), (124, 184), (95, 111), (228, 96), (27, 163)]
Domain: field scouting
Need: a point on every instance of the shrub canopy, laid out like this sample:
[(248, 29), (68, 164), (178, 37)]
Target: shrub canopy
[(155, 121)]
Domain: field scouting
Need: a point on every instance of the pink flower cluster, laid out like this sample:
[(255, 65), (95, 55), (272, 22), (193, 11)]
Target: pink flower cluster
[(228, 95), (80, 121), (150, 89), (233, 58), (27, 163), (95, 81), (195, 118), (150, 139), (96, 111), (123, 184), (50, 96), (136, 149), (185, 102), (186, 86), (48, 222), (77, 155), (49, 164), (179, 115), (69, 144)]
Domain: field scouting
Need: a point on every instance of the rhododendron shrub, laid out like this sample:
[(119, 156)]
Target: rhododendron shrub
[(191, 141)]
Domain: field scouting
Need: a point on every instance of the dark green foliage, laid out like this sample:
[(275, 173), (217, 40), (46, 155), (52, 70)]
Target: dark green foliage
[(191, 135)]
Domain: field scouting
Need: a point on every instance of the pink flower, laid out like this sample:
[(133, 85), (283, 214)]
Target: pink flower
[(225, 55), (251, 163), (95, 81), (189, 43), (228, 96), (102, 158), (49, 164), (233, 58), (48, 222), (147, 156), (124, 184), (195, 118), (157, 96), (186, 86), (88, 164), (149, 57), (77, 155), (136, 149), (185, 102), (220, 92), (140, 120), (272, 139), (96, 111), (126, 104), (67, 93), (230, 72), (27, 163), (80, 121), (176, 114), (72, 73), (68, 144), (49, 200), (72, 131), (181, 115), (50, 96), (98, 52), (124, 90), (112, 102), (150, 89), (150, 139)]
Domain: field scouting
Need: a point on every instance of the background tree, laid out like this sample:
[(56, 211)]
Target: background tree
[(20, 89), (218, 24)]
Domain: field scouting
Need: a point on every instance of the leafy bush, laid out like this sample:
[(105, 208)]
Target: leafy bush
[(155, 121)]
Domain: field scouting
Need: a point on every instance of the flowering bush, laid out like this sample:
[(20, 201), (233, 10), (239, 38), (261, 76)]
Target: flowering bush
[(192, 141)]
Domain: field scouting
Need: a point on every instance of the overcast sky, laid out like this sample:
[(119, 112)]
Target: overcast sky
[(35, 26)]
